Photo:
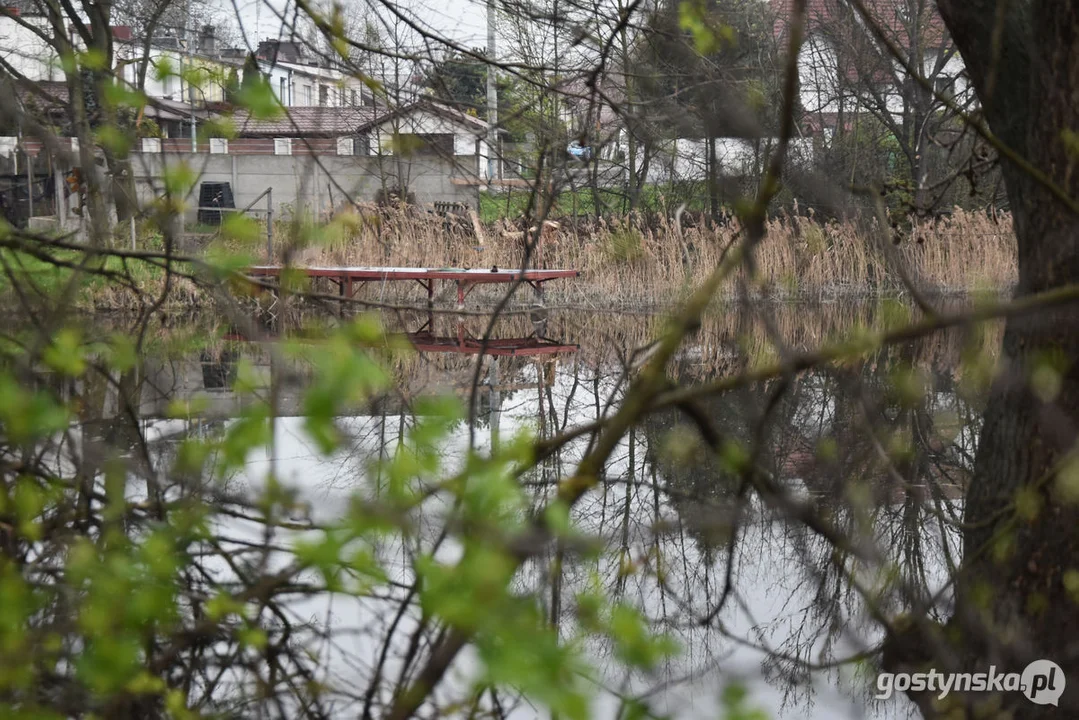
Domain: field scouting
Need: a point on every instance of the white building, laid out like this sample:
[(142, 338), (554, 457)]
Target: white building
[(295, 82), (25, 47), (416, 129), (843, 70)]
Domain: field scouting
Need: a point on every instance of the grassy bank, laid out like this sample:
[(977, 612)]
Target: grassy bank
[(570, 203), (100, 283)]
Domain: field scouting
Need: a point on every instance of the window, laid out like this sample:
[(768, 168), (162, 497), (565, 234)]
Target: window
[(440, 144), (323, 95), (307, 95), (353, 98), (219, 146), (465, 145), (282, 94), (282, 146), (151, 145), (166, 86), (344, 146), (944, 87)]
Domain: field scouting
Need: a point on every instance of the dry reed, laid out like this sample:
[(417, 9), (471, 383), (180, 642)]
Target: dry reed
[(629, 263)]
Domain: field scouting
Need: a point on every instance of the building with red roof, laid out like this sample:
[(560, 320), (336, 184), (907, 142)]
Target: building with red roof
[(848, 64)]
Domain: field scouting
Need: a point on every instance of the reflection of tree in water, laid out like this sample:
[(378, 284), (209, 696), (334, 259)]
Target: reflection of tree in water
[(881, 456)]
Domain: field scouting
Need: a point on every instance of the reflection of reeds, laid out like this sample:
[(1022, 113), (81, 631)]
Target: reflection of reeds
[(729, 340), (627, 262), (736, 336)]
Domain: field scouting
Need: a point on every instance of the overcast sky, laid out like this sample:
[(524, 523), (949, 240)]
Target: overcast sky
[(463, 21)]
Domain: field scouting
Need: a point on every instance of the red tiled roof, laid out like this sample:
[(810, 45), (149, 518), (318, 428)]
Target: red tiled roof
[(320, 121), (860, 56), (432, 106), (893, 16), (313, 121)]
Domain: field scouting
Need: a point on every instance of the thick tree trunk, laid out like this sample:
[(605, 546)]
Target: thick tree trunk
[(1013, 600)]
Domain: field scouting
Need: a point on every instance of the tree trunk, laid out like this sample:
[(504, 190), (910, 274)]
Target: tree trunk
[(1013, 603), (713, 178)]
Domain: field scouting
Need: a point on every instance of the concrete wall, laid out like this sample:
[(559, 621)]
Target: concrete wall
[(314, 183)]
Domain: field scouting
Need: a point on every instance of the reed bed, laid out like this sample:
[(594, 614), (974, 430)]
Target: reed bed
[(634, 263)]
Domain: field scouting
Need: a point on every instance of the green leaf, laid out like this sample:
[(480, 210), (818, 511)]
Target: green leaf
[(65, 354), (248, 433), (120, 353), (178, 178), (222, 605), (1066, 483), (258, 98), (634, 644), (27, 415), (252, 637), (93, 59), (735, 700), (163, 69), (1028, 503), (692, 18), (218, 127), (118, 94)]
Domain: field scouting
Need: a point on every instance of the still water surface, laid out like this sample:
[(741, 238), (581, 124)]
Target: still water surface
[(677, 531)]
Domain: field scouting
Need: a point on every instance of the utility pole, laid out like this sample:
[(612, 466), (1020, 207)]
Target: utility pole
[(492, 93), (185, 47)]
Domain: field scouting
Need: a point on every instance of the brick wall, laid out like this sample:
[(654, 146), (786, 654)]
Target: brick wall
[(251, 146)]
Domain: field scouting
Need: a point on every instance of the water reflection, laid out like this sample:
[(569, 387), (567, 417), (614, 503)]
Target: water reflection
[(881, 447)]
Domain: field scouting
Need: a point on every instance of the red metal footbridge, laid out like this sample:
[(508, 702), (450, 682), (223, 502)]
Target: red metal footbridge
[(426, 342), (351, 279)]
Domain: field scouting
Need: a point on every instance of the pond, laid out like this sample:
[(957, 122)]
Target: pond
[(754, 597)]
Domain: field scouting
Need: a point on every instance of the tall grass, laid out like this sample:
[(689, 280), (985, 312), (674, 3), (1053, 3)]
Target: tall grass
[(630, 263)]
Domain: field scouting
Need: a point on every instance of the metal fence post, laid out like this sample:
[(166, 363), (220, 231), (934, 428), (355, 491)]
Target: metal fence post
[(29, 191), (269, 225)]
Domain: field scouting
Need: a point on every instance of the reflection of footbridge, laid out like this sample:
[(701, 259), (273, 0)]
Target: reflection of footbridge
[(202, 385)]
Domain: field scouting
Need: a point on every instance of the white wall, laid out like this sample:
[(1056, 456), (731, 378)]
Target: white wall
[(210, 88), (821, 91), (26, 51), (287, 80), (818, 77), (339, 86), (686, 158), (465, 137)]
